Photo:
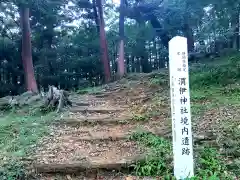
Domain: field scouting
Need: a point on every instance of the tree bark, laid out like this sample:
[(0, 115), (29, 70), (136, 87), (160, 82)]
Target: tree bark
[(96, 18), (235, 25), (103, 43), (163, 34), (142, 50), (189, 35), (30, 80), (121, 68), (57, 99)]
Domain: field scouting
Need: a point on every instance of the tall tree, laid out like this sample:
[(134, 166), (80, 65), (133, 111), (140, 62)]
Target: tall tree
[(30, 80), (188, 32), (96, 17), (121, 68), (103, 43)]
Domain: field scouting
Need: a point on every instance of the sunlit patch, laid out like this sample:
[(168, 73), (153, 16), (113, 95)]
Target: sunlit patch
[(116, 2)]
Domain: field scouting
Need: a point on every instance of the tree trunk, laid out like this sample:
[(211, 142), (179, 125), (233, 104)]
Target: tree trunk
[(238, 30), (235, 28), (189, 35), (128, 65), (30, 80), (236, 33), (96, 18), (103, 43), (142, 50), (121, 69), (137, 65), (163, 34)]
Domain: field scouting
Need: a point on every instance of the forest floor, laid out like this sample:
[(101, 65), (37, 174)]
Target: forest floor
[(123, 130)]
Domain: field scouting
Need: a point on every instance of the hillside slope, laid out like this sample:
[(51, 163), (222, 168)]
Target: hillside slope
[(124, 128)]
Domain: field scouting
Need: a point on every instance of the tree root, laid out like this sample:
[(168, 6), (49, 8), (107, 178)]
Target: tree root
[(57, 99)]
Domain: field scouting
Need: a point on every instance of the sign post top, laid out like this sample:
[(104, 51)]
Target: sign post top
[(177, 43), (178, 38)]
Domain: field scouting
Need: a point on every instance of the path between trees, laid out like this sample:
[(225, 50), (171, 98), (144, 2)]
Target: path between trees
[(93, 137)]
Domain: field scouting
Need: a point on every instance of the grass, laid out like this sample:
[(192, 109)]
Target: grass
[(230, 144), (215, 84), (140, 117), (209, 163), (158, 162), (156, 82), (217, 75), (90, 90), (18, 134), (212, 86)]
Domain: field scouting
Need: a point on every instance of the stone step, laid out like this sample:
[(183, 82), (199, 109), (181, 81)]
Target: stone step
[(110, 135), (76, 156), (86, 166), (103, 175), (81, 103), (88, 103), (100, 136), (103, 95), (102, 110), (103, 120)]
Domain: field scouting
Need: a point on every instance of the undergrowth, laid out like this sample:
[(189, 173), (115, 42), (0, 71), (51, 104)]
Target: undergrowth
[(230, 144), (13, 170), (214, 85), (216, 75), (18, 134), (159, 162), (140, 117), (90, 90)]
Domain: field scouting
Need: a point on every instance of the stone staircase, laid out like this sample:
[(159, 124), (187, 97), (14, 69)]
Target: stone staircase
[(93, 137), (89, 138)]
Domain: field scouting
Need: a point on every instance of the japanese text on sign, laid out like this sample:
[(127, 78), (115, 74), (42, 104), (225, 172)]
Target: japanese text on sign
[(180, 108)]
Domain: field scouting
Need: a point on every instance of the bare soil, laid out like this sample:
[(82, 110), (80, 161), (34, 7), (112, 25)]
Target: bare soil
[(93, 135)]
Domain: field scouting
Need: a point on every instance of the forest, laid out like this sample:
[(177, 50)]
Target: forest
[(72, 44), (84, 88)]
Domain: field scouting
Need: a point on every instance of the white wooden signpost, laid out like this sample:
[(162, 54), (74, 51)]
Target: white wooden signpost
[(180, 108)]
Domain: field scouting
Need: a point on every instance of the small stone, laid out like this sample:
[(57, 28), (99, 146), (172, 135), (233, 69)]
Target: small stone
[(68, 177)]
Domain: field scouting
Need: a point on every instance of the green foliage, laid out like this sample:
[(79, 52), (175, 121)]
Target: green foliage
[(157, 82), (158, 163), (45, 110), (200, 95), (215, 84), (209, 163), (90, 90), (17, 134), (220, 74), (140, 117), (12, 170), (67, 53), (5, 108), (228, 140)]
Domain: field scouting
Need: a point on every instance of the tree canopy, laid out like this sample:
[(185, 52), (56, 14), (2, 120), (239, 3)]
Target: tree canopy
[(76, 43)]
